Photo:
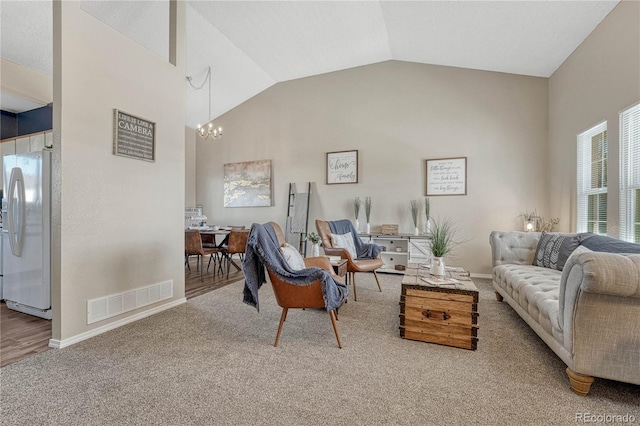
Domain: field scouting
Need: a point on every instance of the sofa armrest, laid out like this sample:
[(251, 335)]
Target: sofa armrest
[(603, 273), (599, 314), (598, 273), (513, 247)]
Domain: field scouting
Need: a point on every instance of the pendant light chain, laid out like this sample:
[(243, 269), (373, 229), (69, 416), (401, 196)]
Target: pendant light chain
[(210, 132)]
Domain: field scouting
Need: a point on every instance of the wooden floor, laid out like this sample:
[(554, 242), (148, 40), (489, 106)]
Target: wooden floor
[(193, 287), (23, 335)]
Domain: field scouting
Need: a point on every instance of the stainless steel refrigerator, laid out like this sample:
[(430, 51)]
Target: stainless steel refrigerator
[(26, 233)]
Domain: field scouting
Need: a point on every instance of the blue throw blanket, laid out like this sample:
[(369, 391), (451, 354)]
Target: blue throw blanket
[(364, 251), (263, 249)]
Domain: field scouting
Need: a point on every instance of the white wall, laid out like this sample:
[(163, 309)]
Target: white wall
[(600, 78), (397, 114), (25, 83), (190, 167), (117, 222)]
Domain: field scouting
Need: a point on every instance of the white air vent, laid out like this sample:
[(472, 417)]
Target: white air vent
[(116, 304)]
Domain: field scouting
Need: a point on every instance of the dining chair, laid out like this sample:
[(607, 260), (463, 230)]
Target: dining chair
[(193, 247), (209, 241), (353, 265), (237, 244)]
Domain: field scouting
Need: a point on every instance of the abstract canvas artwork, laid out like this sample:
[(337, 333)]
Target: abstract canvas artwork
[(247, 184)]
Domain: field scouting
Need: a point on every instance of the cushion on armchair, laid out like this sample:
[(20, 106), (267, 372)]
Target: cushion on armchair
[(345, 241), (293, 257)]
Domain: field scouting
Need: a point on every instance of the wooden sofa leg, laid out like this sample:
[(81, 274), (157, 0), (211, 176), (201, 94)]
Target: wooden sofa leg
[(499, 297), (580, 383)]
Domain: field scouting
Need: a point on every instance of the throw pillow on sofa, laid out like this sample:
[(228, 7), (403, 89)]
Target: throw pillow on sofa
[(607, 244), (554, 249)]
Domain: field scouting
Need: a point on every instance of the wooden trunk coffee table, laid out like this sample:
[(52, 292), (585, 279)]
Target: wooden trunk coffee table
[(443, 313)]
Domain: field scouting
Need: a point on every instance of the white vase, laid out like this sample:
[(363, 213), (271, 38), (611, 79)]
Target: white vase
[(427, 227), (357, 225), (416, 231), (315, 250), (437, 266), (368, 228)]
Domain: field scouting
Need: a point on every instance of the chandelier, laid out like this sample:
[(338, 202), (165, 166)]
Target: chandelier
[(209, 131)]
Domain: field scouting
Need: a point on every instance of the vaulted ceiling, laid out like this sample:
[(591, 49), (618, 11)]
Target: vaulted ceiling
[(252, 45)]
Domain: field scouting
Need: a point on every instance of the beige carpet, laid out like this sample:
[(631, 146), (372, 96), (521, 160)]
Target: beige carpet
[(212, 361)]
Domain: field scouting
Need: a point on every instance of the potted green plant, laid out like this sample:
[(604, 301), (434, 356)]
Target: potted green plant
[(315, 243), (442, 243)]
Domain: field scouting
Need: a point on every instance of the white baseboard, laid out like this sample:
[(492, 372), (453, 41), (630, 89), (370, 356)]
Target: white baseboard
[(60, 344), (487, 276)]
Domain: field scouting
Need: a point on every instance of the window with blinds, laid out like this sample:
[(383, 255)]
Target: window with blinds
[(592, 180), (630, 174)]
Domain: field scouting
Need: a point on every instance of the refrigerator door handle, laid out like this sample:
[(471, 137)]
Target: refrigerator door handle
[(16, 194)]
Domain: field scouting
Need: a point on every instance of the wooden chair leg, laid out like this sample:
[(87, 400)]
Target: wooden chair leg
[(232, 262), (378, 281), (282, 318), (332, 315), (353, 281)]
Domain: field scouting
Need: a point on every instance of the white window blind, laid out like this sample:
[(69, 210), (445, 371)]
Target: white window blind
[(592, 180), (630, 174)]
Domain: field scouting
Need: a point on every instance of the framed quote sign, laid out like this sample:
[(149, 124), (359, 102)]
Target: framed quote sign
[(342, 167), (133, 137), (447, 176)]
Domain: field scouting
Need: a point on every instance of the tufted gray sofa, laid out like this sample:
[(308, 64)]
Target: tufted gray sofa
[(588, 313)]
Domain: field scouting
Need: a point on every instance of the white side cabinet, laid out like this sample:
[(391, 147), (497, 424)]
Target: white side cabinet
[(400, 249)]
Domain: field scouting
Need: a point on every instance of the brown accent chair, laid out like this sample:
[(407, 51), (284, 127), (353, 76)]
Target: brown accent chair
[(290, 296), (193, 247), (353, 265), (236, 244)]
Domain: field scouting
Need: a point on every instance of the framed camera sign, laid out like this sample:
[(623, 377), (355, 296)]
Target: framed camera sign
[(133, 137)]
